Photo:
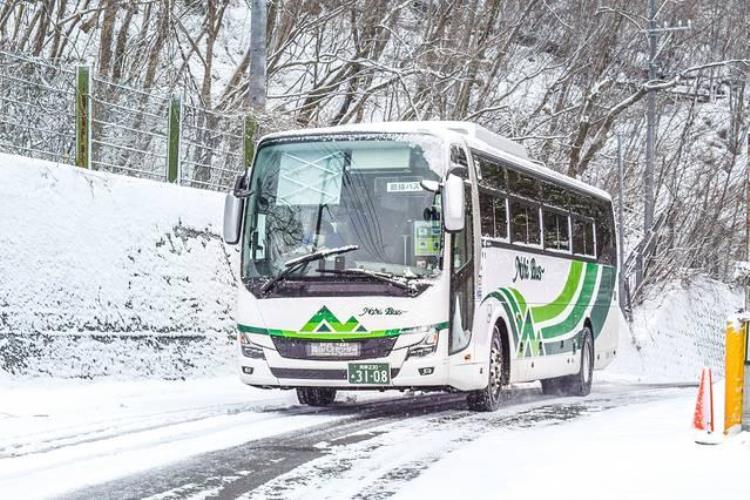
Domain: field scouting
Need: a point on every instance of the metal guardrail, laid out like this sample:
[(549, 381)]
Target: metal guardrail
[(57, 113)]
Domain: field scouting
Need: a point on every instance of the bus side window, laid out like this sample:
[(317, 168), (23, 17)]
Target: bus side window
[(524, 223), (583, 236), (605, 234), (555, 196), (458, 157), (523, 185), (556, 231), (492, 173), (493, 215)]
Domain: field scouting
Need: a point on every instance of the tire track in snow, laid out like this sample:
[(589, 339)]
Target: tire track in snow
[(377, 469), (267, 458), (412, 433)]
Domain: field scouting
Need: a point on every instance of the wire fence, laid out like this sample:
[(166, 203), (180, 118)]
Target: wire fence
[(212, 147), (127, 129), (37, 109)]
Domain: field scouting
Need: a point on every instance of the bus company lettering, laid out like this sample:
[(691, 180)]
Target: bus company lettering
[(376, 311), (527, 269)]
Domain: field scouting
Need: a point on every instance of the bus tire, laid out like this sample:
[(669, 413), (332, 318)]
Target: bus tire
[(315, 396), (489, 398), (580, 383)]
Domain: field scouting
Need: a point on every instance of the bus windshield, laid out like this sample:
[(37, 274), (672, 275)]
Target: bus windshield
[(322, 193)]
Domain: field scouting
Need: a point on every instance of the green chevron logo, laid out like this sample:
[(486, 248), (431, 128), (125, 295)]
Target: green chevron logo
[(325, 321)]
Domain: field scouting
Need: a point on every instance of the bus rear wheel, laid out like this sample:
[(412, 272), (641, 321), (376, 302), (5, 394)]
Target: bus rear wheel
[(580, 383), (316, 396), (489, 398)]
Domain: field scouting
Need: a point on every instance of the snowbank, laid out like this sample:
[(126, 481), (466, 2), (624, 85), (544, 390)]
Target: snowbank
[(105, 274), (676, 331)]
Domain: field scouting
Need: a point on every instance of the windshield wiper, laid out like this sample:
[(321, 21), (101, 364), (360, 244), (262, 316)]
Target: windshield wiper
[(293, 264), (386, 277)]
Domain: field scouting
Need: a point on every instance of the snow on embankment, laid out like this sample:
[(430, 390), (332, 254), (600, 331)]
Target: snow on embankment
[(105, 274), (677, 330)]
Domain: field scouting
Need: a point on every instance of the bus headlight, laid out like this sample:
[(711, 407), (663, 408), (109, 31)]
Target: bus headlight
[(426, 346), (250, 350)]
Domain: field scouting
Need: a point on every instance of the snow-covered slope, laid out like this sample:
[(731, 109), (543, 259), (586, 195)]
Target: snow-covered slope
[(104, 274), (677, 330)]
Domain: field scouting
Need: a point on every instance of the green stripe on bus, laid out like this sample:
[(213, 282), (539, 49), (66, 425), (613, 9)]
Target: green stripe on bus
[(557, 306), (519, 298), (273, 332), (508, 312), (582, 303), (517, 315), (603, 299)]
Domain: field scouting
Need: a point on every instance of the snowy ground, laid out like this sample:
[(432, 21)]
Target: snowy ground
[(198, 438)]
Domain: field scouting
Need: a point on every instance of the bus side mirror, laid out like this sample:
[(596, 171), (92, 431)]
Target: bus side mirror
[(453, 199), (233, 207)]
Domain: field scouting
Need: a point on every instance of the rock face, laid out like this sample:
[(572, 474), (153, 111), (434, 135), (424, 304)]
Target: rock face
[(104, 274)]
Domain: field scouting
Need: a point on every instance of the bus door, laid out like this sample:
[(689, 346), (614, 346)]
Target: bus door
[(462, 280)]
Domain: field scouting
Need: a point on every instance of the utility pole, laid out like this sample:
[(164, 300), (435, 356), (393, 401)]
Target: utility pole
[(621, 221), (653, 33), (648, 174), (256, 89), (747, 221)]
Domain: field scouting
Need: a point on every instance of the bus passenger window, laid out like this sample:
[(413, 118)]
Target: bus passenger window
[(554, 195), (493, 174), (494, 216), (523, 185), (583, 237), (556, 232), (524, 222)]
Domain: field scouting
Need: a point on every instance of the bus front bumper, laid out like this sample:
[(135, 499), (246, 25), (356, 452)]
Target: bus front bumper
[(431, 371)]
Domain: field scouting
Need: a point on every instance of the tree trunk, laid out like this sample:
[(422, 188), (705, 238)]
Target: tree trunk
[(105, 37)]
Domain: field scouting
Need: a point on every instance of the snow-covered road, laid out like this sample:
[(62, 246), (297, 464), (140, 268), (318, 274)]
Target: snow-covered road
[(215, 437)]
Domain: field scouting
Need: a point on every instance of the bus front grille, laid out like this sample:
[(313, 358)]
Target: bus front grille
[(368, 349)]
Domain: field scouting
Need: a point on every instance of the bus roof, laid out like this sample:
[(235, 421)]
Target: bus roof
[(476, 136)]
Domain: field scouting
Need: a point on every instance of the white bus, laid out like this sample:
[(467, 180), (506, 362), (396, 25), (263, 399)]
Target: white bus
[(419, 255)]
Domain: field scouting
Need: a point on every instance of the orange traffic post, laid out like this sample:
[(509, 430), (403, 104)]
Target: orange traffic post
[(736, 345)]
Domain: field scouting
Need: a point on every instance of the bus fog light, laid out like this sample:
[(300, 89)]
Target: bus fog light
[(247, 370), (427, 371)]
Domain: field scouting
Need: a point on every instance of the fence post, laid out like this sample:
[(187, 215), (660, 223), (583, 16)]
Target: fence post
[(248, 135), (83, 117), (174, 129)]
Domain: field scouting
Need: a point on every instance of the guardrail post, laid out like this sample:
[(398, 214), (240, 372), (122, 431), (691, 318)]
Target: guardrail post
[(248, 135), (174, 130), (83, 117)]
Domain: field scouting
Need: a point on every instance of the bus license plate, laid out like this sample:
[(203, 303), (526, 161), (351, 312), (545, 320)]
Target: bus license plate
[(369, 373), (333, 349)]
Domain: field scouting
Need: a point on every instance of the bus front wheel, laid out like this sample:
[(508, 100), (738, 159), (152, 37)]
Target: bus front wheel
[(489, 398), (316, 396)]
